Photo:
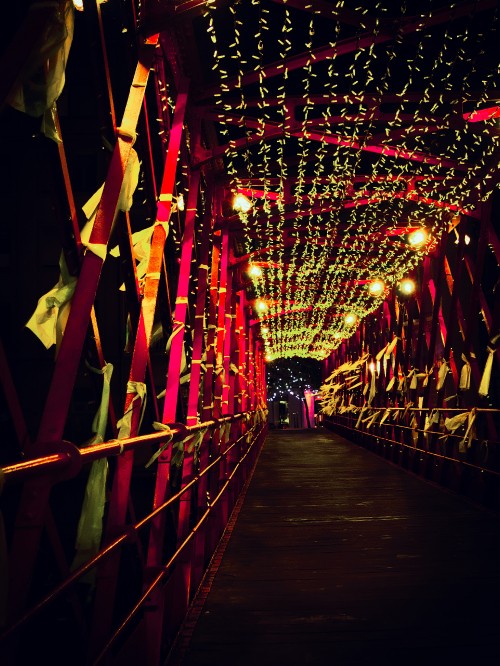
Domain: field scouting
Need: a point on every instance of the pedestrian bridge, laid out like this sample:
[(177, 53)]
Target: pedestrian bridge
[(200, 199)]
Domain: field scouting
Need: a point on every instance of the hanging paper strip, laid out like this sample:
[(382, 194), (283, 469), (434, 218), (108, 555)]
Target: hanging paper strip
[(89, 532), (442, 373), (465, 374), (160, 427), (484, 386)]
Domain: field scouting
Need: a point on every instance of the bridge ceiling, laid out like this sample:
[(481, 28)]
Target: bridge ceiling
[(347, 126)]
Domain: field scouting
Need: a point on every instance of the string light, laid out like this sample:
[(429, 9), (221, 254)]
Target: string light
[(316, 156)]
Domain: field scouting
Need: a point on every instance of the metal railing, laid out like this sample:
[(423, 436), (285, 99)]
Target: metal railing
[(209, 478), (430, 450)]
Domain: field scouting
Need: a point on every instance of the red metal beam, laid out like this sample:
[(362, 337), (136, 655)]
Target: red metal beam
[(359, 99), (105, 591)]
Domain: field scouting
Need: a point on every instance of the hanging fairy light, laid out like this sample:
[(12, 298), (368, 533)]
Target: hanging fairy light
[(407, 179), (261, 306)]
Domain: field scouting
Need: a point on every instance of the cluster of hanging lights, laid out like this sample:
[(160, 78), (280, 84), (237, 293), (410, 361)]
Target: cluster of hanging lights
[(309, 292)]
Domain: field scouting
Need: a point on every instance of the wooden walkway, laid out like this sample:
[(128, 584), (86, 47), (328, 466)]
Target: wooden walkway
[(339, 558)]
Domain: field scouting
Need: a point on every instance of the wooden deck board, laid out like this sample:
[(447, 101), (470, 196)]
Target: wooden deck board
[(339, 558)]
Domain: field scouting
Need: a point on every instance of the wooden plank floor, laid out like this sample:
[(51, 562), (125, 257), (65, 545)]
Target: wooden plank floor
[(339, 558)]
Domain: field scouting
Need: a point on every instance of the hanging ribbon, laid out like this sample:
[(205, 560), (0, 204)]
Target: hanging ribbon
[(431, 419), (125, 423), (426, 375), (372, 419), (466, 441), (194, 444), (378, 357), (412, 376), (407, 407), (51, 313), (360, 417), (160, 427), (443, 371), (465, 374), (373, 388), (453, 423), (355, 386), (385, 415), (391, 383), (101, 418), (391, 347), (414, 429), (42, 78), (484, 386), (90, 524)]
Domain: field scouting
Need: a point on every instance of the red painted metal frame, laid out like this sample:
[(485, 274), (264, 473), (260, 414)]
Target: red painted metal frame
[(34, 502), (108, 574)]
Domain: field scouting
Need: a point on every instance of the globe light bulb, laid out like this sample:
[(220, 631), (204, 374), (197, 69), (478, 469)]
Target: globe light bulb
[(255, 271), (407, 287), (418, 238), (241, 203), (376, 288)]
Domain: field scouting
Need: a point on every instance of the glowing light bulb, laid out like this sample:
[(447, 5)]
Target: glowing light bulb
[(418, 238), (407, 286), (241, 204), (376, 288), (265, 329), (337, 335), (372, 367), (78, 5), (180, 202), (269, 357), (260, 306), (255, 271), (350, 319)]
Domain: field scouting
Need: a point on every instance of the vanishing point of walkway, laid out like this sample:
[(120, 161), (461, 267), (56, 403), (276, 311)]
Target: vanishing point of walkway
[(339, 558)]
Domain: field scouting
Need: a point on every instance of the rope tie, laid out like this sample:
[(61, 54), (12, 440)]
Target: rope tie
[(138, 389), (160, 427)]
